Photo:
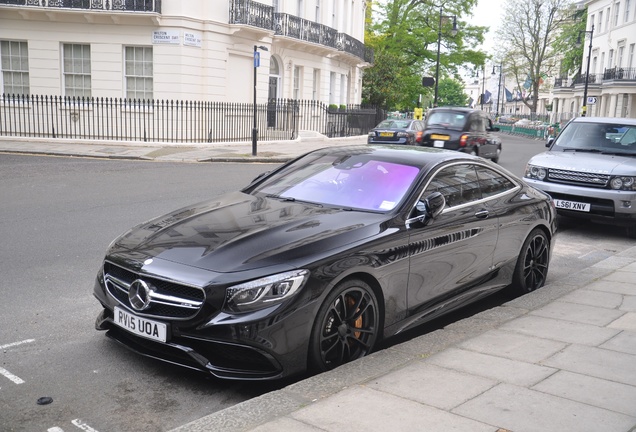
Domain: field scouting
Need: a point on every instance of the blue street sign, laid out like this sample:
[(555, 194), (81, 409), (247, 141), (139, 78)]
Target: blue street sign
[(257, 59)]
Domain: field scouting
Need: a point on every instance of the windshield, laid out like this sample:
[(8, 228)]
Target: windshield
[(448, 119), (615, 138), (351, 181), (393, 124)]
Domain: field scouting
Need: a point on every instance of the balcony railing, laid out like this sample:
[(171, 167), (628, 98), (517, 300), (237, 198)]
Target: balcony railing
[(619, 74), (593, 79), (256, 14), (107, 5)]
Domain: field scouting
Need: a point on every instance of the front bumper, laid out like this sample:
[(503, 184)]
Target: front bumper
[(264, 345), (606, 206)]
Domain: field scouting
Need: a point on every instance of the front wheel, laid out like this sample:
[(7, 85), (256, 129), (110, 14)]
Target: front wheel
[(532, 265), (346, 327)]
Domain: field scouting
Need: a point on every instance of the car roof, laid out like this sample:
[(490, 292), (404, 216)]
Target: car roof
[(408, 155), (452, 108), (611, 120)]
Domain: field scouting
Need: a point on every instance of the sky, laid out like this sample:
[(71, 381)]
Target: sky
[(487, 13)]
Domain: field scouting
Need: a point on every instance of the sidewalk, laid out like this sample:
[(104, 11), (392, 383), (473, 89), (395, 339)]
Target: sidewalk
[(560, 359), (266, 151)]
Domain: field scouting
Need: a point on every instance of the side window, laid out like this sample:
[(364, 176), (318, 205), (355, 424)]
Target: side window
[(492, 183), (458, 183)]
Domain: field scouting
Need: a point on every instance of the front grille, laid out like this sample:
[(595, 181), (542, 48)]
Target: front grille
[(578, 178), (167, 299)]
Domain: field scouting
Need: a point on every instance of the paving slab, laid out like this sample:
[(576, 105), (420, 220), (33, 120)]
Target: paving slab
[(596, 362), (521, 409), (560, 330), (593, 391), (490, 366), (423, 382), (514, 346), (594, 298), (624, 342), (361, 409), (579, 313)]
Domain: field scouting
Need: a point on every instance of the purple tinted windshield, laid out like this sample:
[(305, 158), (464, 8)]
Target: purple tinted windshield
[(374, 185)]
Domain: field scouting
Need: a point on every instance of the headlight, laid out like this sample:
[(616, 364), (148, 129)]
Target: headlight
[(623, 183), (536, 172), (264, 292)]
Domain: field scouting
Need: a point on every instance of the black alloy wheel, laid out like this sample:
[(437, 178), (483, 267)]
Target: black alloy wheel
[(346, 327), (532, 265)]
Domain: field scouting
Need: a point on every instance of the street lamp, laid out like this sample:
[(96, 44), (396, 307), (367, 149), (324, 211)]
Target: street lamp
[(439, 41), (498, 86), (483, 80), (257, 62), (587, 72)]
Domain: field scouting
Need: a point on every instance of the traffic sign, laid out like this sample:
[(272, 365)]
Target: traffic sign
[(257, 59), (591, 100)]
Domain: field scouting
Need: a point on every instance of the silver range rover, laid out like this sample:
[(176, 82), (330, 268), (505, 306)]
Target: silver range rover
[(590, 170)]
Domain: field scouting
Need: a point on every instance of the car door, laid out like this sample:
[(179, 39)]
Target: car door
[(490, 141), (454, 252)]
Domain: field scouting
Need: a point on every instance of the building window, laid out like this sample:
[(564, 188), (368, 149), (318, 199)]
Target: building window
[(626, 16), (591, 21), (630, 58), (617, 9), (316, 85), (275, 5), (600, 21), (607, 19), (296, 90), (619, 57), (318, 11), (332, 88), (77, 70), (610, 59), (138, 72), (300, 8), (15, 67), (343, 89)]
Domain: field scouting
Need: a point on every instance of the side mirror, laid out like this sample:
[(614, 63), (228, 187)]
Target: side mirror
[(427, 209), (434, 204), (549, 141)]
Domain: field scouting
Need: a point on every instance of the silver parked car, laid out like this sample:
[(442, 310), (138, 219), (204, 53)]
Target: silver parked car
[(590, 170)]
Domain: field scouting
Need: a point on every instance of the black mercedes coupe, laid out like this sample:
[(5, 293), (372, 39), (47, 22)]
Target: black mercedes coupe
[(312, 264)]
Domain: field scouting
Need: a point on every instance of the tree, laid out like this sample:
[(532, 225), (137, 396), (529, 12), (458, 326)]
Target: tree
[(526, 36), (405, 33), (565, 43), (451, 93)]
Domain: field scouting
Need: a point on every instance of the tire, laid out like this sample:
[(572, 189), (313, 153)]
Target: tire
[(532, 265), (346, 327)]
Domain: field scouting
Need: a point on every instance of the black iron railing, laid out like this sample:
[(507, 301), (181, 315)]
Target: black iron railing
[(592, 79), (249, 12), (176, 121), (619, 74), (107, 5)]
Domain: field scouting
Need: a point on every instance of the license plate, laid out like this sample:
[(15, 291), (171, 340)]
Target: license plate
[(143, 327), (386, 134), (572, 205), (439, 137), (438, 144)]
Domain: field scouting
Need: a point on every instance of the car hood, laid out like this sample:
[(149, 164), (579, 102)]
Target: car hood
[(239, 232), (586, 162)]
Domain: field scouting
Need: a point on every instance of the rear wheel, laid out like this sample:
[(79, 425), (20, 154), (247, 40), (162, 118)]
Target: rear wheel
[(532, 265), (346, 327)]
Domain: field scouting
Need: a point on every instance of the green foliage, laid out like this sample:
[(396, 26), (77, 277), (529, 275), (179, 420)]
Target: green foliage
[(450, 92), (565, 43), (404, 38)]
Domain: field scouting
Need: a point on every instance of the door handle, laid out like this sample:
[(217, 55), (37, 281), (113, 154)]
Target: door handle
[(481, 214)]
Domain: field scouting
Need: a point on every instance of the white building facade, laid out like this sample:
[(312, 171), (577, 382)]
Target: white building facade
[(611, 82), (184, 50)]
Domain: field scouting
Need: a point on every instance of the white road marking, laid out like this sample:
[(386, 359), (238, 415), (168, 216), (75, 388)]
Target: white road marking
[(83, 426), (12, 344), (11, 377), (55, 429)]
